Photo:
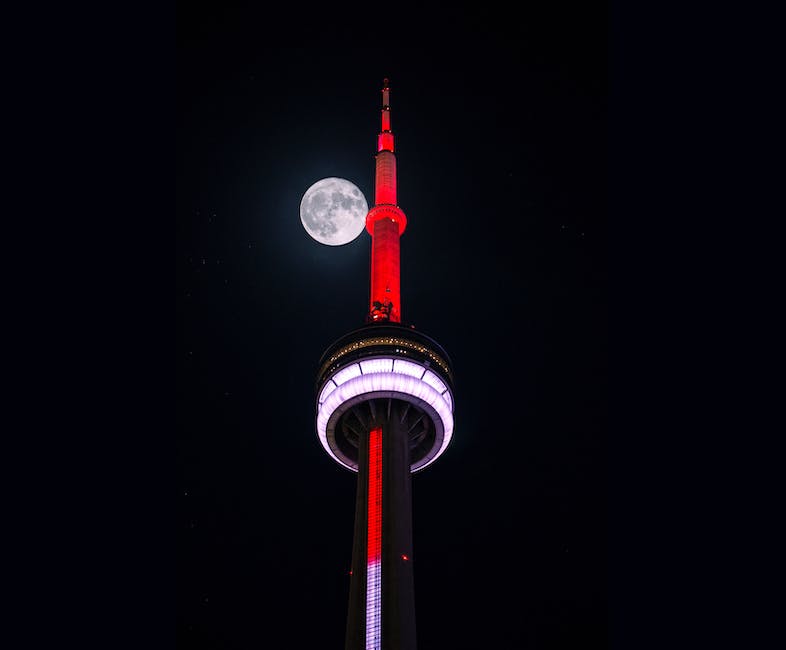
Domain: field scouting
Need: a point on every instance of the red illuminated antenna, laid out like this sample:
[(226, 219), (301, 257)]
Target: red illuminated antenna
[(385, 223)]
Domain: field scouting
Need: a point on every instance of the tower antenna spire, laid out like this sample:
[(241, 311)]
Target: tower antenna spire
[(385, 222)]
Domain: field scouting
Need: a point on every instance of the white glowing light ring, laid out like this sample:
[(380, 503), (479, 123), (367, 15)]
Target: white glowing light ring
[(350, 386)]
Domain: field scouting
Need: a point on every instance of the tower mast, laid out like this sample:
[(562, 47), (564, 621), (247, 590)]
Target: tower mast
[(385, 223)]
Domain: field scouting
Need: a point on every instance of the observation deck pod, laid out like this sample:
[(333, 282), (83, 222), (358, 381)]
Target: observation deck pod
[(383, 371)]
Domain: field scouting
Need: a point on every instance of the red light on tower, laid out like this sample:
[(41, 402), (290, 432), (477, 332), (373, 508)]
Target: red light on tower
[(374, 544), (385, 223)]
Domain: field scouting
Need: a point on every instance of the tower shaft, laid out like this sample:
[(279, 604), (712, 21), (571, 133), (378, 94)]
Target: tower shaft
[(382, 588)]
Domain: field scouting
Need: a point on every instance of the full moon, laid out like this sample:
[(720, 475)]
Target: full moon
[(333, 211)]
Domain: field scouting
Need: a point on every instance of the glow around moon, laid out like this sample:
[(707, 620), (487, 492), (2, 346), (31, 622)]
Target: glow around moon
[(333, 211)]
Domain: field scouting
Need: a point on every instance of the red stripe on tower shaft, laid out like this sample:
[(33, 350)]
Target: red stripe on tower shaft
[(385, 268), (374, 543), (375, 495)]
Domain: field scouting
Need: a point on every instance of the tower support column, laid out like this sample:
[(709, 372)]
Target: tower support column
[(396, 594)]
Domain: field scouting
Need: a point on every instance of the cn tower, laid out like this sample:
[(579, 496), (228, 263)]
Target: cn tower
[(384, 410)]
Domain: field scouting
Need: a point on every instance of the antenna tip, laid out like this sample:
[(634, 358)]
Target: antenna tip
[(385, 82)]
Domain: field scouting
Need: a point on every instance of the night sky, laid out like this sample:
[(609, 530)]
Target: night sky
[(500, 118)]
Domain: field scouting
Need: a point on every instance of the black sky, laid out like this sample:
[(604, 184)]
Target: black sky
[(500, 116)]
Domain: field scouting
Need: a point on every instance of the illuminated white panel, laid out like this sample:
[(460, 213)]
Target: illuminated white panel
[(376, 365), (435, 382), (373, 605), (329, 388), (345, 374), (446, 396), (358, 385), (402, 367)]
